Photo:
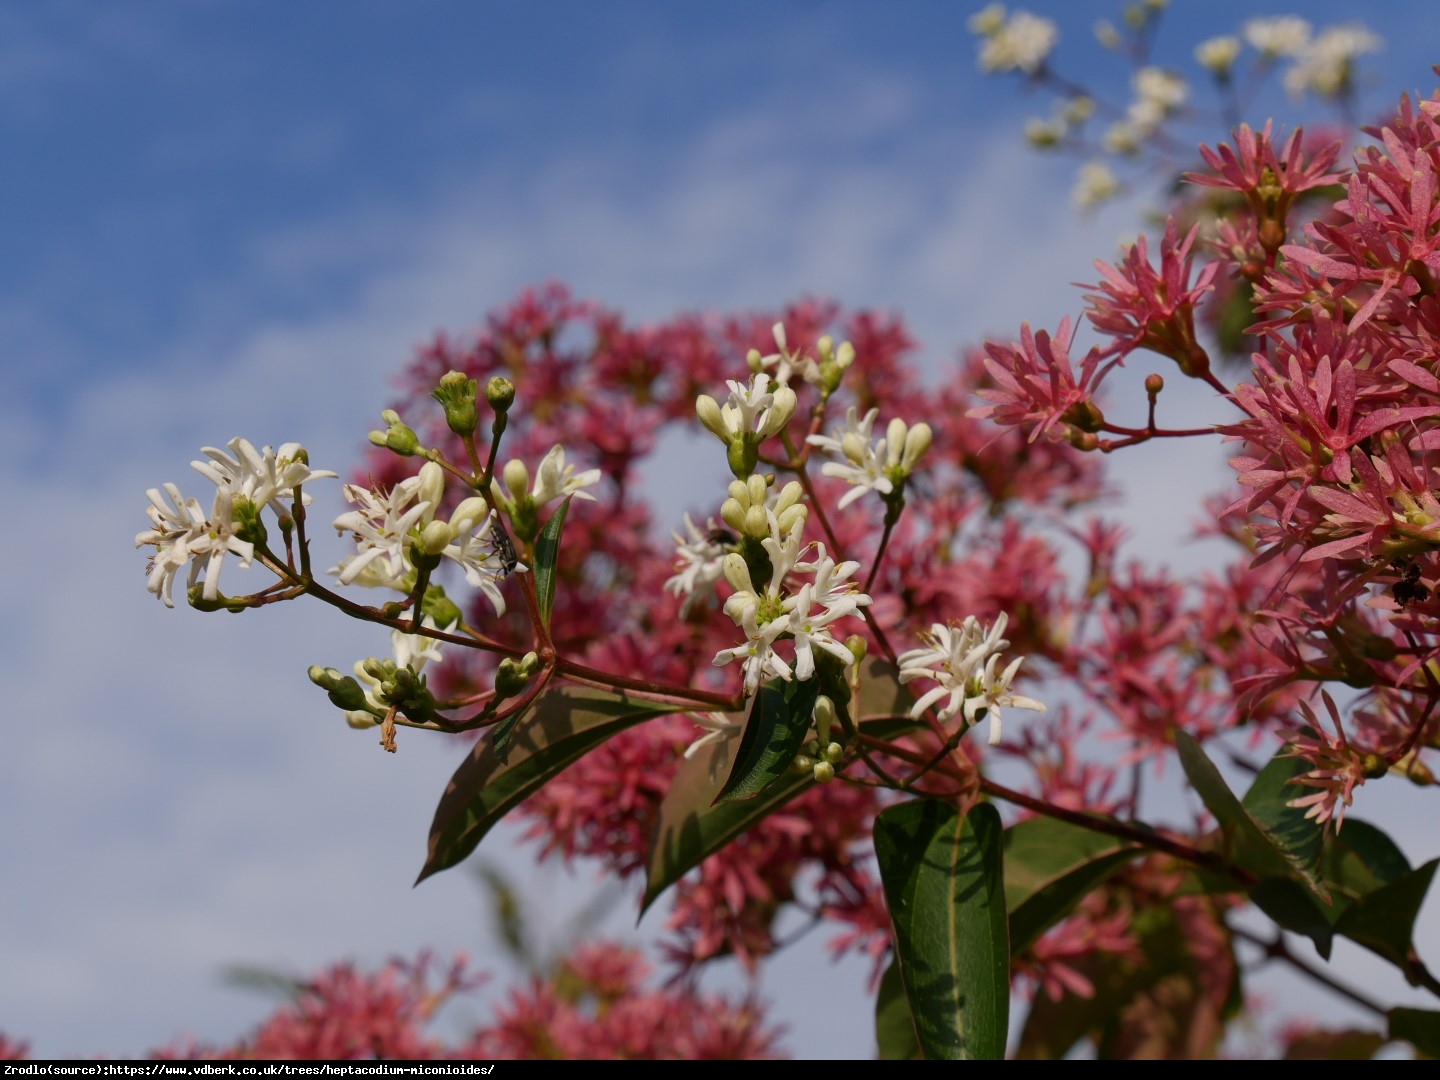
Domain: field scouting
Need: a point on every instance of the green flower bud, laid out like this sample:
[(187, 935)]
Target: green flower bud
[(856, 644), (834, 753), (823, 772), (440, 607), (742, 457), (397, 437), (500, 393), (246, 518), (456, 393), (824, 717)]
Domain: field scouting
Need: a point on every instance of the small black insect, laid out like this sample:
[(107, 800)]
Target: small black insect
[(723, 537), (1409, 589), (503, 547)]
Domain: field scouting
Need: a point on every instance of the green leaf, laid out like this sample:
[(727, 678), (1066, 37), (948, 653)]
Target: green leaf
[(1049, 866), (894, 1029), (562, 725), (944, 883), (1358, 860), (1297, 837), (692, 825), (547, 554), (1255, 849), (882, 697), (1384, 920), (776, 730), (1349, 1045), (1295, 908), (1419, 1027)]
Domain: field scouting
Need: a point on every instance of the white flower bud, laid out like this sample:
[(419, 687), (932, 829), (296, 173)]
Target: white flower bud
[(435, 538), (469, 514), (739, 491), (737, 573), (757, 489), (708, 410), (854, 447), (517, 477), (780, 412), (790, 494), (732, 512), (895, 441), (917, 441), (432, 488), (788, 518), (360, 719), (845, 355), (756, 522)]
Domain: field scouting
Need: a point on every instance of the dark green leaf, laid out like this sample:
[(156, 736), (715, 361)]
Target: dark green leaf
[(1297, 837), (1295, 908), (944, 883), (692, 825), (1384, 920), (894, 1030), (1254, 848), (561, 726), (882, 696), (774, 733), (1358, 860), (1419, 1027), (547, 553), (1049, 866), (1349, 1045)]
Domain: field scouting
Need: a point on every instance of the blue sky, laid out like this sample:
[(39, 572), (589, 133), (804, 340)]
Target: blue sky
[(225, 218)]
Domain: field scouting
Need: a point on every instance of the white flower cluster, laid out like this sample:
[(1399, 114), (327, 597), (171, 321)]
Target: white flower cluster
[(962, 662), (409, 650), (1327, 65), (386, 528), (699, 564), (877, 466), (184, 535), (753, 412), (806, 616), (1018, 43)]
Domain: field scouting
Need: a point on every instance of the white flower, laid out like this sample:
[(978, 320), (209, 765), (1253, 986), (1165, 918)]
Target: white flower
[(555, 479), (812, 631), (1095, 184), (751, 412), (831, 588), (1158, 93), (758, 650), (1326, 66), (871, 467), (475, 551), (1022, 44), (1277, 35), (719, 729), (182, 533), (782, 360), (1218, 54), (267, 476), (381, 527), (992, 693), (699, 565), (962, 663)]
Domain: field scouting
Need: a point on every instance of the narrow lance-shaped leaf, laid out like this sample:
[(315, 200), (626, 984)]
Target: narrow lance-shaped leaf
[(547, 554), (1050, 866), (1256, 848), (560, 727), (692, 825), (774, 733), (944, 884)]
